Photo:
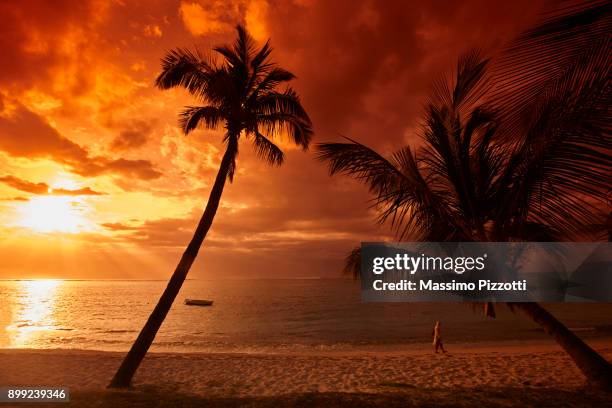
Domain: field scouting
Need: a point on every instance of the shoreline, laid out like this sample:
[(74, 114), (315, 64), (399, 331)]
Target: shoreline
[(485, 346)]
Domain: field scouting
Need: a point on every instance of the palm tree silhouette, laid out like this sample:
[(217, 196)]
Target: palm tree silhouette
[(241, 93), (507, 158)]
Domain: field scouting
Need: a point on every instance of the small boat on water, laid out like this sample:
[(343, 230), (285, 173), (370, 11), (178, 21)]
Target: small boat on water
[(198, 302)]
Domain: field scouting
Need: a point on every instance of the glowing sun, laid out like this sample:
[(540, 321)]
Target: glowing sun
[(55, 214)]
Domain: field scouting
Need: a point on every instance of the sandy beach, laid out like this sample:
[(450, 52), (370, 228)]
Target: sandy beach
[(536, 373)]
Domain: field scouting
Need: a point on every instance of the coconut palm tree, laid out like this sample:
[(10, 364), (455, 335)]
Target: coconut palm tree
[(541, 176), (240, 93)]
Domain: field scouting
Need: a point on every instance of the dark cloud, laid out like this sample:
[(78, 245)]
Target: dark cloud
[(44, 188), (136, 135), (364, 68), (23, 133), (128, 139), (141, 169), (164, 232), (33, 38), (76, 192), (15, 199), (24, 185), (117, 226)]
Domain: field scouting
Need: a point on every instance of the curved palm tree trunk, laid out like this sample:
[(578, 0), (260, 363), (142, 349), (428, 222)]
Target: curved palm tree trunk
[(123, 376), (597, 370)]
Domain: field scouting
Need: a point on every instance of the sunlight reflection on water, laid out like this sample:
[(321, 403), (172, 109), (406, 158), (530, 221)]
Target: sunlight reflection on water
[(33, 311), (250, 316)]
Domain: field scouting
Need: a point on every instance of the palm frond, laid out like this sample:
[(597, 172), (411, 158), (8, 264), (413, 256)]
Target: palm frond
[(564, 162), (239, 54), (244, 45), (352, 263), (287, 102), (229, 54), (267, 150), (258, 63), (467, 87), (471, 82), (415, 208), (299, 130), (401, 194), (287, 108), (192, 116), (360, 162), (185, 68), (544, 53), (269, 82)]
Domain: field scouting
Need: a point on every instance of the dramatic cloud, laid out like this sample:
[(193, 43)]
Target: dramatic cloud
[(44, 188), (38, 36), (78, 101), (135, 136), (23, 133), (365, 68)]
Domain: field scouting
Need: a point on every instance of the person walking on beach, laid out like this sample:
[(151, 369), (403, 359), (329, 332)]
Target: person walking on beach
[(437, 338)]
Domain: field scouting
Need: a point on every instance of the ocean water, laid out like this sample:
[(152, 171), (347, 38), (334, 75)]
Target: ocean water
[(256, 315)]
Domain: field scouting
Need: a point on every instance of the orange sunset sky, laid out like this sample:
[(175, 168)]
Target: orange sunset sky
[(96, 180)]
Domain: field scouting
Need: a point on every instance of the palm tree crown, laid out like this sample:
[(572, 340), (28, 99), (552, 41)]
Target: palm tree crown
[(467, 184), (240, 92)]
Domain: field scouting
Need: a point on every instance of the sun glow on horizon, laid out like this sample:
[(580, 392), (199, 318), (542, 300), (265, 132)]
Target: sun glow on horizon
[(49, 214)]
